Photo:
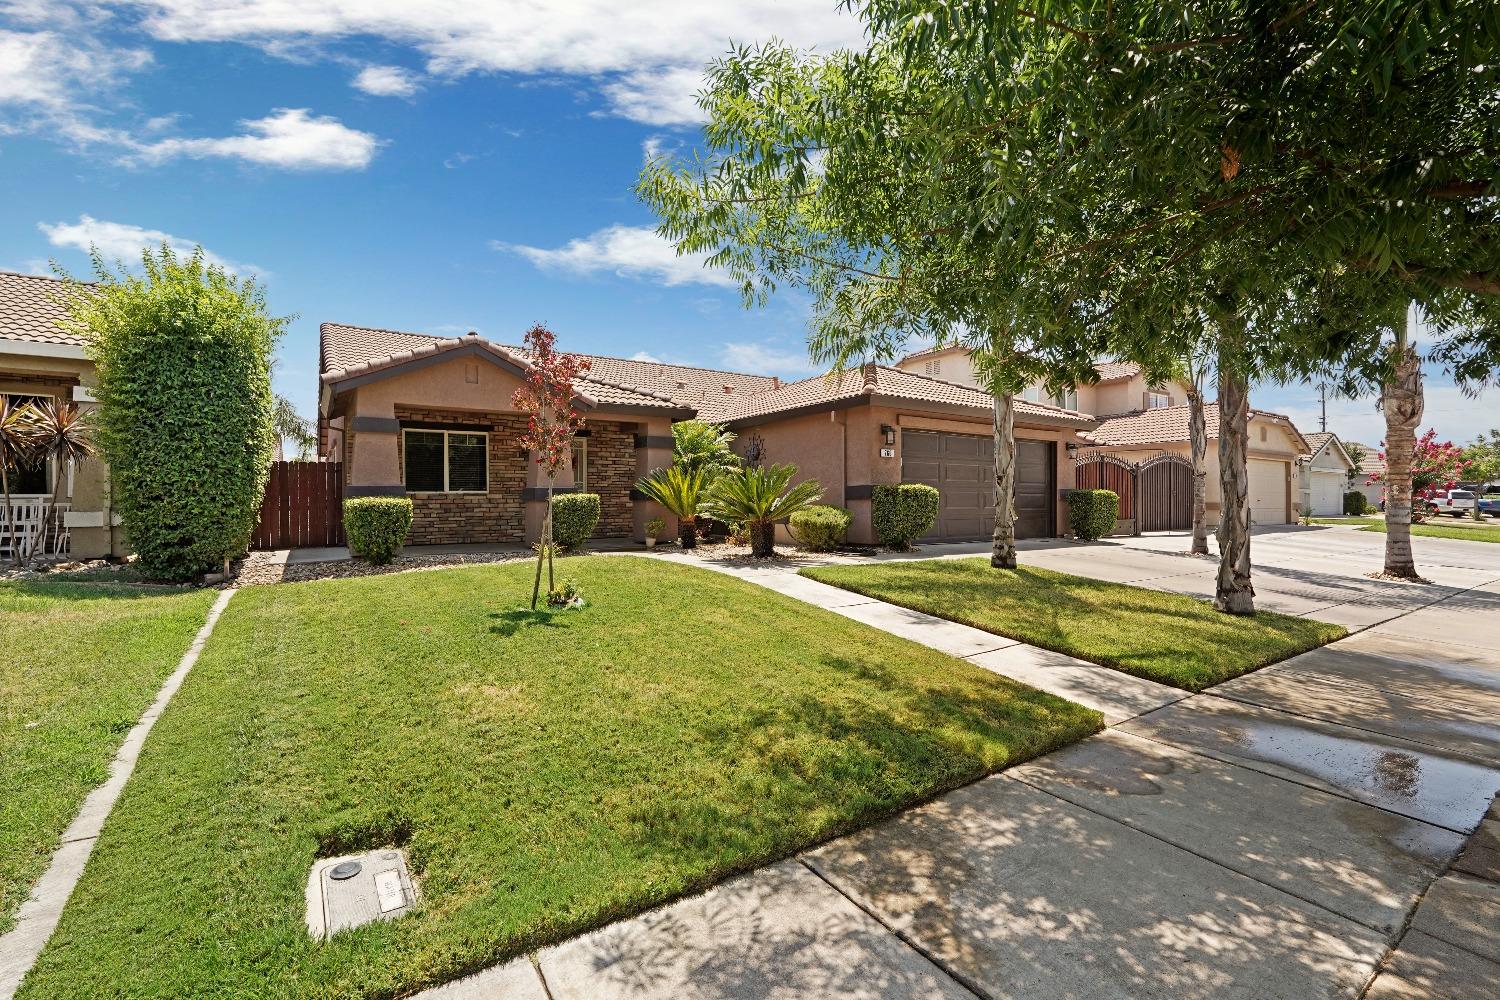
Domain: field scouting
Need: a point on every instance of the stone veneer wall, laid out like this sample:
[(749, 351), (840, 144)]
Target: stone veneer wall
[(496, 516), (612, 476)]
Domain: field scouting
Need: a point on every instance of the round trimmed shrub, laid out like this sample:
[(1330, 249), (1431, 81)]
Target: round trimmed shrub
[(183, 353), (1092, 513), (574, 516), (820, 528), (376, 527), (902, 514), (1356, 503)]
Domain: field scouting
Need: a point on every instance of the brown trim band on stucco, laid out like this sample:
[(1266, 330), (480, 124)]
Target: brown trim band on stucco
[(374, 490), (532, 494), (375, 425), (654, 441), (861, 492), (684, 412), (438, 425)]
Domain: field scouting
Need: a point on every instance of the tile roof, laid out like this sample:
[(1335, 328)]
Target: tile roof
[(347, 352), (1114, 371), (720, 396), (1317, 439), (31, 308), (1372, 461), (1169, 425), (887, 384)]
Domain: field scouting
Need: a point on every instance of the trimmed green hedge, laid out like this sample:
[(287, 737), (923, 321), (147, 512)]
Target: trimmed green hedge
[(1356, 503), (820, 528), (574, 516), (1092, 513), (376, 527), (902, 514), (185, 406)]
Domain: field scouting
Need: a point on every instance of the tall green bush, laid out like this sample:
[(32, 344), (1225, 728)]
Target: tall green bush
[(183, 353), (1092, 513), (820, 528), (376, 527), (902, 514), (1356, 503), (574, 517)]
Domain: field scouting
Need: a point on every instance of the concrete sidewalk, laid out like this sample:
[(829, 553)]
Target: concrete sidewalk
[(1272, 837)]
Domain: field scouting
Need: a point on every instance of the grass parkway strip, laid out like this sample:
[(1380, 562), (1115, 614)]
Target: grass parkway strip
[(546, 771), (1427, 529), (78, 665), (1170, 638)]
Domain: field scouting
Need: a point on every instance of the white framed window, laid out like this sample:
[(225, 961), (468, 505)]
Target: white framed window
[(31, 480), (436, 461), (581, 464), (1157, 400), (1032, 392), (1067, 399)]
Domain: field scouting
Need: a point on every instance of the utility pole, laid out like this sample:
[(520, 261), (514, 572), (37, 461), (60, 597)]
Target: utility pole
[(1323, 406)]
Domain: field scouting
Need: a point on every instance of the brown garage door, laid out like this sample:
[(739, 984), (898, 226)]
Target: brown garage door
[(962, 467)]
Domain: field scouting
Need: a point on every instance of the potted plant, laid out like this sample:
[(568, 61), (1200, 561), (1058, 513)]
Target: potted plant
[(654, 528)]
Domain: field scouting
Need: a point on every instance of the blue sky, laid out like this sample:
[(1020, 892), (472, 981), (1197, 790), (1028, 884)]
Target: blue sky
[(439, 166)]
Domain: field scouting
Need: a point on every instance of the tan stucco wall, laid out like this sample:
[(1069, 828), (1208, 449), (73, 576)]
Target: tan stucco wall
[(89, 494), (1107, 399)]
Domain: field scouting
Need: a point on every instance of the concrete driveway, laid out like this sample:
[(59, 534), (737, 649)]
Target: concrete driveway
[(1286, 834)]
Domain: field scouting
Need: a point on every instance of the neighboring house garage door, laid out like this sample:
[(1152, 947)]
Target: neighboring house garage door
[(1267, 492), (962, 467), (1328, 493)]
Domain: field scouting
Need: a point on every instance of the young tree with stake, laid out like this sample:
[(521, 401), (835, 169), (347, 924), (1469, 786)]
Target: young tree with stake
[(547, 399)]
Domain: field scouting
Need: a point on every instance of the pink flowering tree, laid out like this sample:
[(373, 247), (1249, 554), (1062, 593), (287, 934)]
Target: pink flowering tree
[(547, 399), (1435, 466)]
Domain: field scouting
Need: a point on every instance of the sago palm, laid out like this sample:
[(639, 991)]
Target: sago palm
[(680, 491), (758, 498), (19, 430)]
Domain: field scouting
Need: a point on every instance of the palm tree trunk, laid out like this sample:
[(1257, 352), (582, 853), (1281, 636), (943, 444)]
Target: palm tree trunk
[(1198, 439), (687, 532), (1401, 401), (762, 539), (1233, 594), (1003, 550)]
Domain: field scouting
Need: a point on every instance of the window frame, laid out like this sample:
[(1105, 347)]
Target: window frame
[(447, 480), (49, 468), (580, 455), (1152, 395)]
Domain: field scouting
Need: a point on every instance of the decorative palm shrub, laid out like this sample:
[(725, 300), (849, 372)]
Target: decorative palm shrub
[(820, 528), (574, 516), (680, 491), (1092, 513), (757, 498), (1356, 503), (376, 527), (902, 514), (697, 444)]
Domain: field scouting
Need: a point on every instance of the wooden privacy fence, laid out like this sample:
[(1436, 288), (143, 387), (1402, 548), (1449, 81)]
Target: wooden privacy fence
[(303, 506), (1098, 471)]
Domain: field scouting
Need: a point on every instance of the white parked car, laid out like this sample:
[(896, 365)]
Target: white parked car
[(1459, 503)]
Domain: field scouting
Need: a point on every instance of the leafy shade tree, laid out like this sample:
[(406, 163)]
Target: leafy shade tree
[(758, 498), (183, 353), (546, 398), (789, 192), (681, 491), (65, 437), (19, 431), (697, 444), (1483, 457)]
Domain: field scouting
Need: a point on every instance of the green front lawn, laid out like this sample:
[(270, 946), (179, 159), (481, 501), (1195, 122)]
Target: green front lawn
[(78, 665), (546, 772), (1432, 528), (1171, 638)]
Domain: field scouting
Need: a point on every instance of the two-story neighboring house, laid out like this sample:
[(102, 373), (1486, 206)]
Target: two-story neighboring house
[(1138, 420), (55, 510)]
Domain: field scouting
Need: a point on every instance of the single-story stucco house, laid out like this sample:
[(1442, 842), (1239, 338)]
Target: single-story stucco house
[(39, 359), (431, 418), (1325, 475)]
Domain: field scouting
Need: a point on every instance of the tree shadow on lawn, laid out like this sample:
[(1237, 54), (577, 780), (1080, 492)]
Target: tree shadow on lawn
[(91, 590), (508, 623)]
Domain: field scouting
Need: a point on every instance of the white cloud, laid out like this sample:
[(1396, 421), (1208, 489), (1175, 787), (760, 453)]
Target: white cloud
[(290, 138), (386, 81), (47, 78), (647, 56), (627, 251), (645, 356), (124, 242), (766, 359)]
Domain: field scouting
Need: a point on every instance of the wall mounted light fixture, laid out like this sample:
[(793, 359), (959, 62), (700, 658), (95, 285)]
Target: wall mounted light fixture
[(888, 434)]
